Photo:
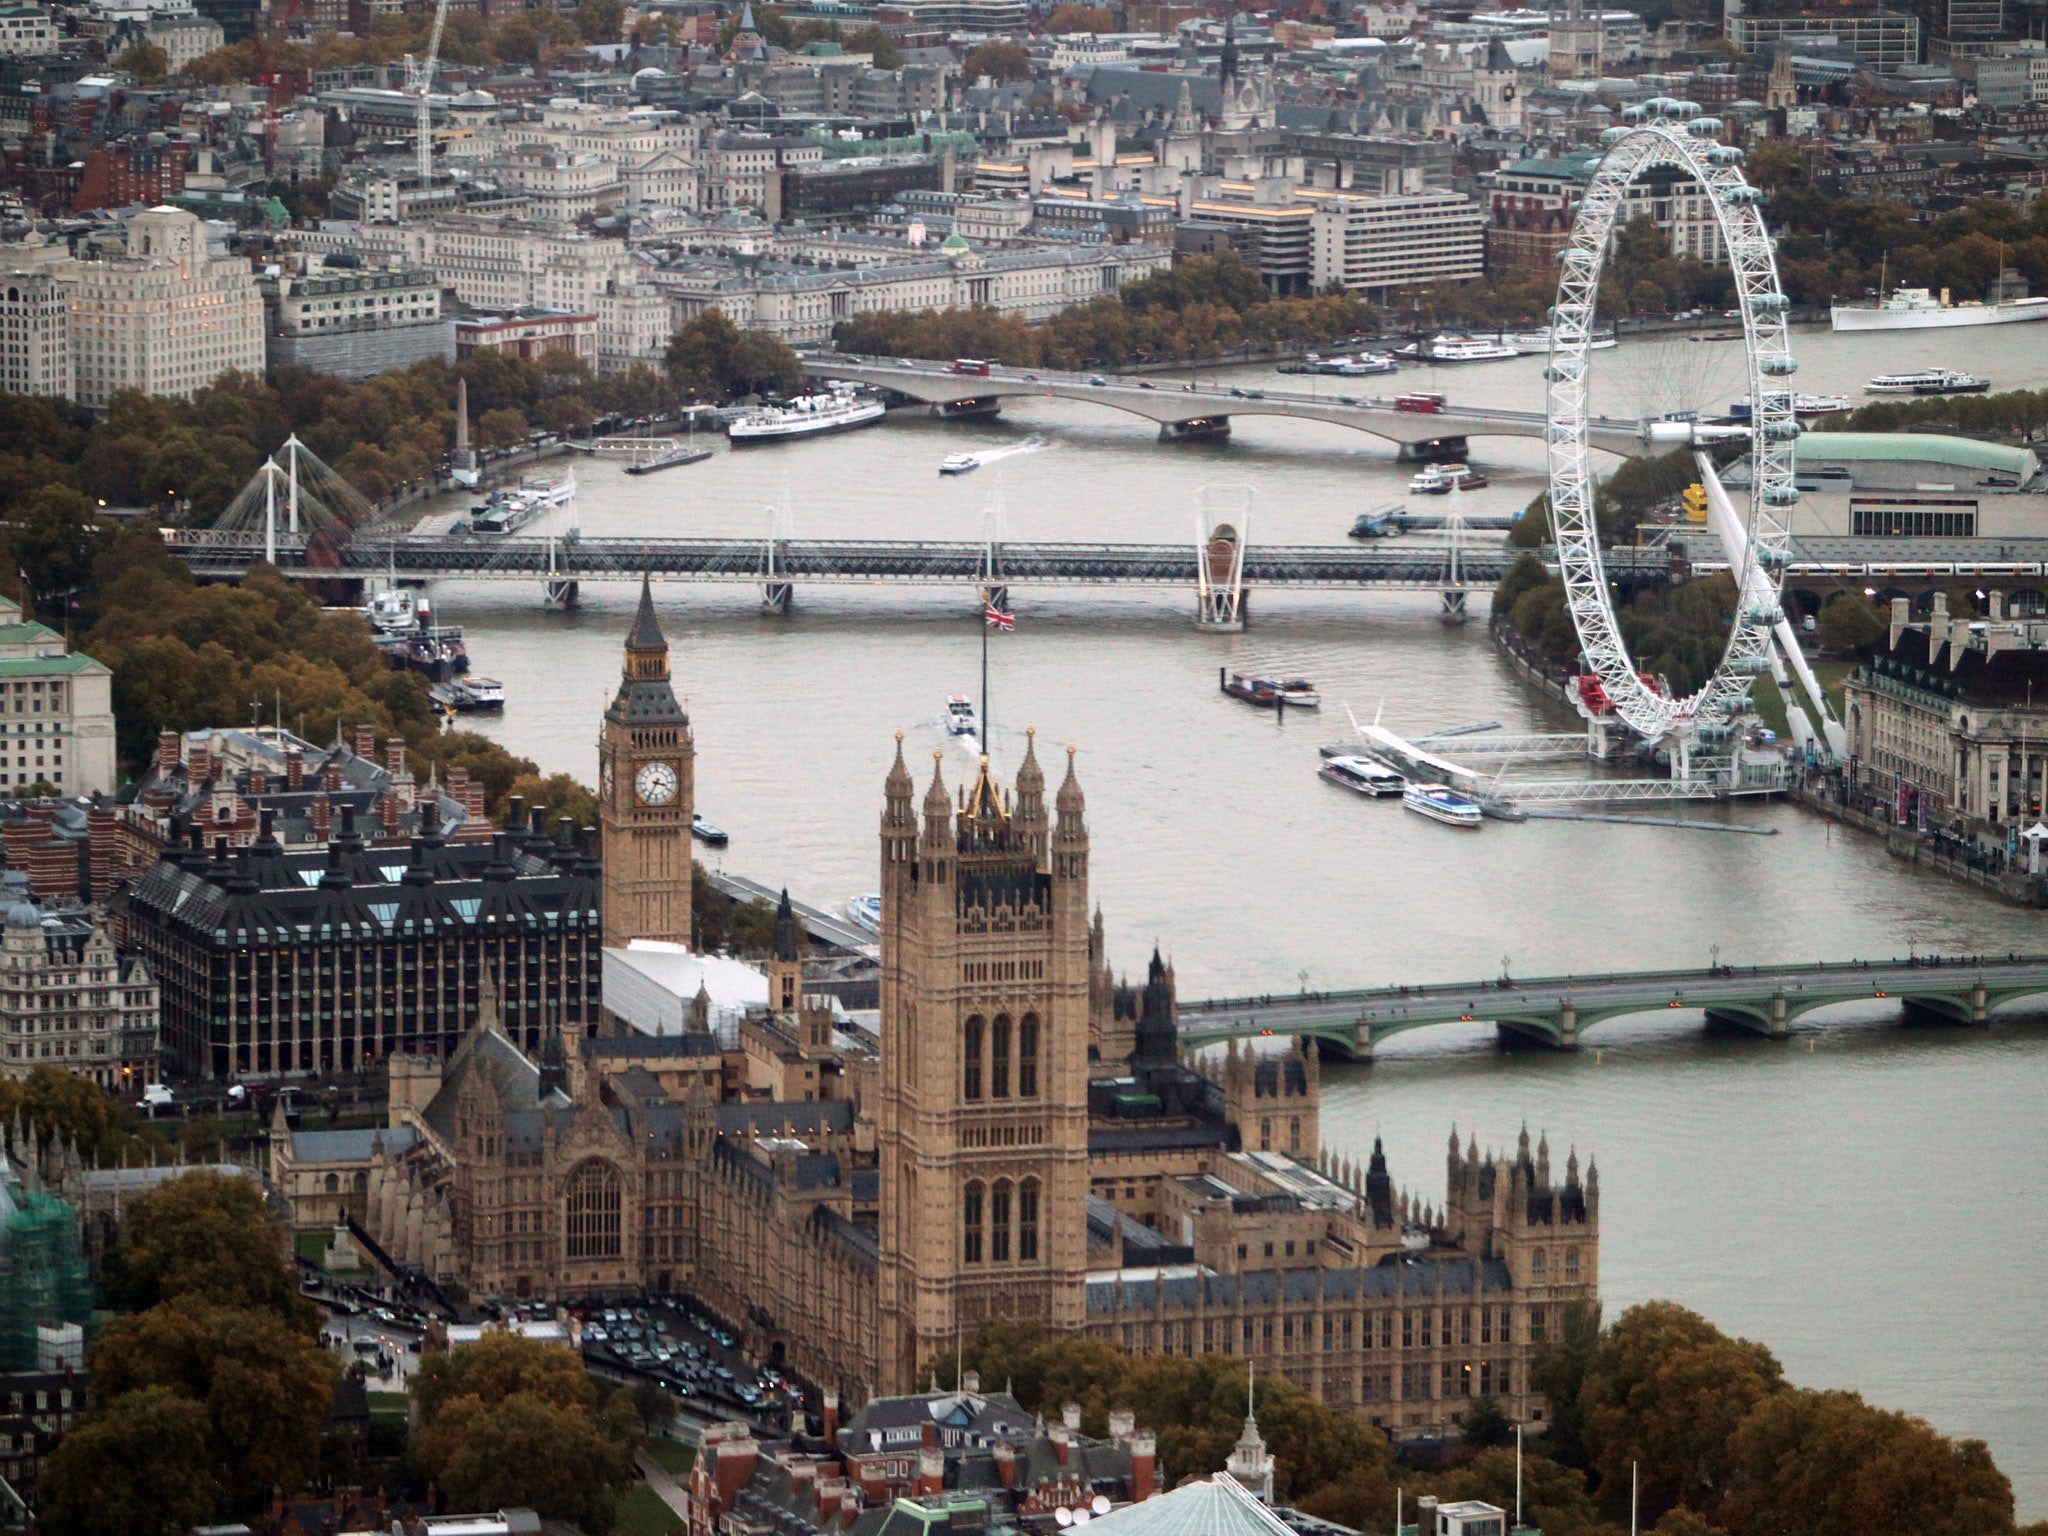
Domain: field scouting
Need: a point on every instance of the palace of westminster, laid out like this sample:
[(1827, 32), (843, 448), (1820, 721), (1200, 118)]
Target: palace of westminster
[(1020, 1137)]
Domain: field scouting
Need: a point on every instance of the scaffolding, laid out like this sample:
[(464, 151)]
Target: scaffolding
[(44, 1282)]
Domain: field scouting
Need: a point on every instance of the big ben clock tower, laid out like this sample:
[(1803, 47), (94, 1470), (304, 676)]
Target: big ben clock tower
[(646, 791)]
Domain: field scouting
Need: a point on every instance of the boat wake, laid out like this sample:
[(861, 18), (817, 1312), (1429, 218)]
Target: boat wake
[(1029, 445)]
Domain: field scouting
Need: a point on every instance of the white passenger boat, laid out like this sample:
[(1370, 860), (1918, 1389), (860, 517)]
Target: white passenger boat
[(393, 612), (1439, 802), (806, 416), (958, 464), (1928, 381), (1442, 479), (866, 911), (1458, 349), (960, 717), (1362, 776)]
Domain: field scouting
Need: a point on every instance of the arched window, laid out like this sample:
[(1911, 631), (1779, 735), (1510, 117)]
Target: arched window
[(1294, 1133), (591, 1216), (970, 1051), (1027, 1221), (1571, 1263), (1266, 1134), (1027, 1057), (999, 1059), (333, 1183), (999, 1223), (1539, 1263), (970, 1224)]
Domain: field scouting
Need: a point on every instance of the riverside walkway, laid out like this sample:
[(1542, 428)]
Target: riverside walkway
[(1557, 1010)]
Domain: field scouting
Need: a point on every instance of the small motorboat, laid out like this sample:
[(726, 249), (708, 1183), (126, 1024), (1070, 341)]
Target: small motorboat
[(866, 911), (1366, 776), (1439, 802), (958, 464), (960, 717), (1297, 692), (707, 834)]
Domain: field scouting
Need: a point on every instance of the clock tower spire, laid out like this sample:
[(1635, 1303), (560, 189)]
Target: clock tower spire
[(646, 793)]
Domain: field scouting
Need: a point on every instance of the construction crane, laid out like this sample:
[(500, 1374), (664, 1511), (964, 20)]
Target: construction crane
[(422, 80)]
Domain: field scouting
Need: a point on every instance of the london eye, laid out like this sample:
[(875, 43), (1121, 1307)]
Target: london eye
[(1756, 538)]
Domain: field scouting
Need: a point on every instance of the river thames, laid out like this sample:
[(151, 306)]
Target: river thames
[(1863, 1198)]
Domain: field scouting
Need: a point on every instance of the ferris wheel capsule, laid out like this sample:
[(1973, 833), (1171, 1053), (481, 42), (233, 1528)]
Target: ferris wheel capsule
[(1724, 154), (1704, 127), (1764, 613), (1780, 495), (1770, 303), (1613, 135), (1773, 556), (1777, 365), (1632, 114), (1749, 666), (1782, 431)]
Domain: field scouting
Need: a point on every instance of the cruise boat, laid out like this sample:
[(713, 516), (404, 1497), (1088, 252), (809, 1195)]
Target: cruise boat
[(506, 512), (707, 834), (1364, 365), (958, 464), (1928, 381), (866, 911), (1439, 802), (806, 416), (1917, 309), (960, 717), (469, 695), (1541, 339), (1458, 349), (1366, 776), (547, 491), (1803, 404), (1442, 479), (393, 612)]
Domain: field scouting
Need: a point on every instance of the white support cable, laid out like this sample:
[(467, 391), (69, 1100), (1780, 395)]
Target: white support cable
[(1659, 142)]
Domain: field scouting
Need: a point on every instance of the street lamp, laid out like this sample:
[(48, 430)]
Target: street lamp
[(1715, 968)]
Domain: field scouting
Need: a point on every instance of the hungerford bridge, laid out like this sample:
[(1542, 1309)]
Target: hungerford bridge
[(1557, 1010)]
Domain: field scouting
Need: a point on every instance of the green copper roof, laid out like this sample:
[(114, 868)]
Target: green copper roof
[(26, 633), (47, 666), (1918, 447)]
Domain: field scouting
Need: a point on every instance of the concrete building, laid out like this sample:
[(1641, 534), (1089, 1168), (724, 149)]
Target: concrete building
[(184, 38), (1372, 244), (1528, 216), (68, 999), (167, 318), (56, 711), (1948, 729), (35, 319), (27, 30), (529, 333), (1884, 39), (353, 322)]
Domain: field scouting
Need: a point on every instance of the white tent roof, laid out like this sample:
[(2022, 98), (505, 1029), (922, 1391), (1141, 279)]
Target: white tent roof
[(1222, 1506)]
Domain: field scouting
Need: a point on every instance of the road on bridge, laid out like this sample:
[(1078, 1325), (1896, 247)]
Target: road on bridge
[(1559, 1008), (1172, 404)]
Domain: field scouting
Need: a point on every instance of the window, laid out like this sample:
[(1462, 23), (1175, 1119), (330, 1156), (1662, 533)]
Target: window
[(999, 1059), (1539, 1328), (1539, 1263), (970, 1045), (1027, 1057), (999, 1222), (592, 1217), (970, 1223), (1027, 1221), (1571, 1263)]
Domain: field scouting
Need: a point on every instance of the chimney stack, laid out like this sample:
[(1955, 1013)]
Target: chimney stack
[(931, 1471), (366, 742), (830, 1417), (166, 751), (294, 769), (1144, 1467)]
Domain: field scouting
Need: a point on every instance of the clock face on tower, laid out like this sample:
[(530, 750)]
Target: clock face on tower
[(604, 773), (655, 784)]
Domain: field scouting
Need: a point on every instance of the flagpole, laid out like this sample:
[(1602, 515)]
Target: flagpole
[(986, 602)]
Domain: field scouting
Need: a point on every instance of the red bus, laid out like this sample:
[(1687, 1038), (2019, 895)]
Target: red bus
[(973, 365), (1427, 405)]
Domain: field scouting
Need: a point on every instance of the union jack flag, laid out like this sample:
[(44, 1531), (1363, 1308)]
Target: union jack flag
[(999, 618)]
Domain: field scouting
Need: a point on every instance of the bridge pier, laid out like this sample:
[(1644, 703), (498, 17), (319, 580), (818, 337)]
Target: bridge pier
[(1434, 450), (1772, 1024), (977, 408), (777, 596), (563, 594), (1196, 429)]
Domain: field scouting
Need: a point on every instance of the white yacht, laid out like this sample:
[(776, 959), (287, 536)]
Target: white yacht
[(960, 717), (1928, 381), (1917, 309), (958, 464), (1458, 349), (1362, 775), (806, 416), (1439, 802)]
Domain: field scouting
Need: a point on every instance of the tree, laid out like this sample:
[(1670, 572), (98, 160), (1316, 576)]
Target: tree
[(600, 21), (503, 427), (1553, 1496), (55, 1103), (266, 1386), (558, 795), (524, 1450), (143, 59), (1664, 1392), (1001, 61), (1851, 624), (1829, 1464), (1486, 1424), (1081, 18), (1560, 1372), (500, 1365), (711, 356), (205, 1236), (136, 1468)]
